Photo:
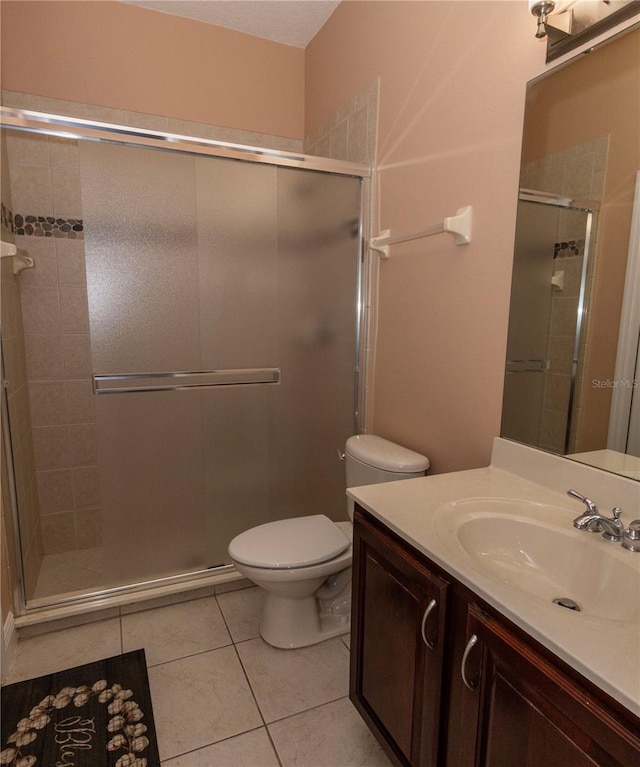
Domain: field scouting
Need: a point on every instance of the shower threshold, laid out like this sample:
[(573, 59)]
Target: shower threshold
[(97, 604)]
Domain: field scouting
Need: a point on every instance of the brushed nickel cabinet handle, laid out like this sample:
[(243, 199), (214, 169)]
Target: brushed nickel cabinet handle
[(470, 645), (430, 607)]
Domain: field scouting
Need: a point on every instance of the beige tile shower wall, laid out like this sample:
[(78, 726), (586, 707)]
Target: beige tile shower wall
[(45, 181), (21, 437), (18, 406), (577, 172), (13, 347), (349, 134)]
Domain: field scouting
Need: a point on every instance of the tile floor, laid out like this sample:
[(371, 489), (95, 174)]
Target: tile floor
[(221, 696)]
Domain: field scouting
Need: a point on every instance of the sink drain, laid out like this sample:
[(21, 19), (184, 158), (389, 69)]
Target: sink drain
[(568, 603)]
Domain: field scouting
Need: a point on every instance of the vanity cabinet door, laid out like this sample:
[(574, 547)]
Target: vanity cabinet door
[(525, 711), (397, 646)]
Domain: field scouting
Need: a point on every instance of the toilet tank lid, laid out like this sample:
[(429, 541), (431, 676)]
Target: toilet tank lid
[(382, 454), (287, 543)]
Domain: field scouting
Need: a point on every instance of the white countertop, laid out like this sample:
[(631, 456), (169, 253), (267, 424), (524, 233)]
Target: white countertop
[(605, 651)]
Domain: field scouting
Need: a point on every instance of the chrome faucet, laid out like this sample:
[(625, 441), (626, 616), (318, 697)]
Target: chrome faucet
[(592, 521)]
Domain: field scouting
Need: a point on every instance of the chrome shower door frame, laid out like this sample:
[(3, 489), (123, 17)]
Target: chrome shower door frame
[(66, 127)]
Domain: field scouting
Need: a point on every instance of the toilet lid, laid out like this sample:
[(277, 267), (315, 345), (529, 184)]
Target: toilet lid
[(288, 543)]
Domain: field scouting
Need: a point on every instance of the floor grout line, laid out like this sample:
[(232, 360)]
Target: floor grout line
[(306, 710), (263, 726), (213, 743), (246, 676)]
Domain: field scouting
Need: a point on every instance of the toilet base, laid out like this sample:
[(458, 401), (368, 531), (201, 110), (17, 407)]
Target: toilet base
[(288, 623)]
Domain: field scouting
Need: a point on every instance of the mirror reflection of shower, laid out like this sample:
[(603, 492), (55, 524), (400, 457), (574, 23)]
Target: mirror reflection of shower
[(549, 284)]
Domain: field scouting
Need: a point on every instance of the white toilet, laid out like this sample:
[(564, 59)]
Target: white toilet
[(304, 563)]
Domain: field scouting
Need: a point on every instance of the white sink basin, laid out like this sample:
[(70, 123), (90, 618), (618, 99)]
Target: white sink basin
[(534, 549)]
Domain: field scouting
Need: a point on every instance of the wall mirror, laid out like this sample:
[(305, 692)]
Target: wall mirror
[(572, 385), (573, 22)]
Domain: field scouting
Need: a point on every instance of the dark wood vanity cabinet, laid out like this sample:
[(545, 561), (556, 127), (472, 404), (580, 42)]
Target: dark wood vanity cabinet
[(463, 687), (398, 630), (520, 708)]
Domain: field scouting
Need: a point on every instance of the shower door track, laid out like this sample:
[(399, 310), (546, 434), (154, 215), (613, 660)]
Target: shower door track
[(43, 610), (75, 128)]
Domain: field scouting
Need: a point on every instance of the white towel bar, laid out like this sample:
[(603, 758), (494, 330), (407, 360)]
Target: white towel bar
[(459, 226)]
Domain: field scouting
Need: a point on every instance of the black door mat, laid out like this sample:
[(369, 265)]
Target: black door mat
[(96, 715)]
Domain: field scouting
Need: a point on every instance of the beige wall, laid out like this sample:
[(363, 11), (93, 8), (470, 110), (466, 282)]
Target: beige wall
[(452, 85), (130, 58)]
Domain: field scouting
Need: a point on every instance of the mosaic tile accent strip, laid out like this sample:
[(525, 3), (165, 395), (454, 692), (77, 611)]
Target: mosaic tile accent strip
[(48, 226), (6, 218), (569, 248)]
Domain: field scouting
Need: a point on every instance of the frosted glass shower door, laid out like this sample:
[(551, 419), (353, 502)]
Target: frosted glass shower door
[(536, 234), (280, 275), (141, 250), (207, 264), (318, 247), (550, 258), (237, 236)]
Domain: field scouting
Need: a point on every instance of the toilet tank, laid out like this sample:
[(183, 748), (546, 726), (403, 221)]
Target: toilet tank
[(371, 460)]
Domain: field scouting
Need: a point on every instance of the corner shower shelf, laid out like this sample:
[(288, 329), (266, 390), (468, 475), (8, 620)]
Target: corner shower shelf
[(459, 226)]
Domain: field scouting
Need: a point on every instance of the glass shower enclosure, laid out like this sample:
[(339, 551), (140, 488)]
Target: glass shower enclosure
[(206, 369)]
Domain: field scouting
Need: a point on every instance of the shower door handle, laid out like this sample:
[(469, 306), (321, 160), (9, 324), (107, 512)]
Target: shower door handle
[(128, 383), (528, 366)]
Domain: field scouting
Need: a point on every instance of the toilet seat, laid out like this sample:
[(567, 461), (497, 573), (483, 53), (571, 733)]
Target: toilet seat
[(289, 543)]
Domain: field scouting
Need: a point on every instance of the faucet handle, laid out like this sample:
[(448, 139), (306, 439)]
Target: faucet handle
[(591, 506), (631, 536), (614, 528)]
